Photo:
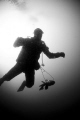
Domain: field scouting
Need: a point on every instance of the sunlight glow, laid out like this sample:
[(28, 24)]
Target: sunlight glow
[(12, 27)]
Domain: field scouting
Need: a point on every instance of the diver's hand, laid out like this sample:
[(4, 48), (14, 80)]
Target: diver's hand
[(62, 54)]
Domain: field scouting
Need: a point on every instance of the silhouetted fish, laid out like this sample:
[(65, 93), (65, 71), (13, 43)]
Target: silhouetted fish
[(46, 84)]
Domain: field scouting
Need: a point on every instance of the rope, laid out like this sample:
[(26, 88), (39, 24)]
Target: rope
[(43, 70), (43, 74)]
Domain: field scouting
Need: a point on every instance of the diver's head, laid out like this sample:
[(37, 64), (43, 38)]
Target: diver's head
[(38, 33)]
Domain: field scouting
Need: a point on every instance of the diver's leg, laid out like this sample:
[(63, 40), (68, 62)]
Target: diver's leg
[(11, 74), (29, 74)]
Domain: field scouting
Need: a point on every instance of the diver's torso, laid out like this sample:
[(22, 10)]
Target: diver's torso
[(30, 52)]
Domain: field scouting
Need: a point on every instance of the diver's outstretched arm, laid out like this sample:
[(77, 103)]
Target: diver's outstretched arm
[(54, 55)]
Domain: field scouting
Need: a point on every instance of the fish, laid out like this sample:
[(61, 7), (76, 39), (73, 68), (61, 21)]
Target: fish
[(46, 84)]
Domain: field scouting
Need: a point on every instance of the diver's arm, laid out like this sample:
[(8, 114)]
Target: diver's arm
[(53, 55), (19, 42), (50, 54)]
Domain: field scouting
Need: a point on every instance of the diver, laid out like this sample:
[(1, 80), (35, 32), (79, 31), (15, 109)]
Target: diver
[(27, 61)]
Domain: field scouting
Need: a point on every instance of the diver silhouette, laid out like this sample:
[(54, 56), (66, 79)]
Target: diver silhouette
[(27, 61)]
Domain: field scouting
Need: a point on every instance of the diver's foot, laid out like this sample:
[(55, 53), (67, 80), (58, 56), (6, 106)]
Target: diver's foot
[(21, 88), (1, 81)]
